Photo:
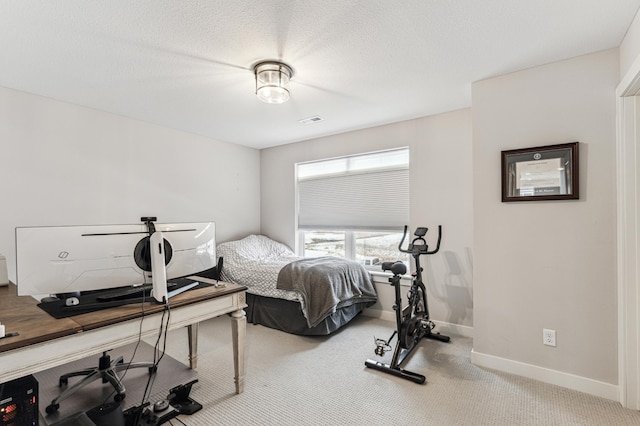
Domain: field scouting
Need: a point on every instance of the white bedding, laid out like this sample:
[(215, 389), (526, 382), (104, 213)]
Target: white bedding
[(255, 262)]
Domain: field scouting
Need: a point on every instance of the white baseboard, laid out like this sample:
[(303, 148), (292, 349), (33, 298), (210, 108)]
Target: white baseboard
[(442, 327), (554, 377), (380, 314)]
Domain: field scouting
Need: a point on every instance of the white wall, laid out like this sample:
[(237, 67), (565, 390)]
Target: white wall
[(548, 264), (67, 165), (440, 181)]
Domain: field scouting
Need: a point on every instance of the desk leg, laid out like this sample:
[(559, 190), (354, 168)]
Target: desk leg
[(192, 332), (238, 334)]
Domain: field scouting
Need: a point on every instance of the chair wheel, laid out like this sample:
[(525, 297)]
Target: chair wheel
[(64, 382), (52, 408), (119, 397)]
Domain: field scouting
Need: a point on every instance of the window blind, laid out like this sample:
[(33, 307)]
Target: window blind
[(373, 199)]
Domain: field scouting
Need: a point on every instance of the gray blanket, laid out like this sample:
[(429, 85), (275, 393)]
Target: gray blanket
[(325, 284)]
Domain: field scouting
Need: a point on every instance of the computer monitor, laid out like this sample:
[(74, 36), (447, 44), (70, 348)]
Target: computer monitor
[(68, 259)]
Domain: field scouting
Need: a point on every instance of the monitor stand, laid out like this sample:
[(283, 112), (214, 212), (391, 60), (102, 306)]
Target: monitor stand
[(158, 268)]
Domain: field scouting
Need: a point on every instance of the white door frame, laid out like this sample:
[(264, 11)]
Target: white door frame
[(628, 236)]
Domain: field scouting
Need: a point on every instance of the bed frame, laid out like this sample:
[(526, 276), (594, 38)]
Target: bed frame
[(286, 315)]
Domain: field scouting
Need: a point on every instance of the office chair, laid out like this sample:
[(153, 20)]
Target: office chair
[(107, 370)]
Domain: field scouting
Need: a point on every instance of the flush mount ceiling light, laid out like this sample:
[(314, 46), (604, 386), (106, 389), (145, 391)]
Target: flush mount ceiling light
[(272, 79)]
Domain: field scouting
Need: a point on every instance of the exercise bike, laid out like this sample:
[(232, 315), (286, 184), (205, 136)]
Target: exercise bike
[(412, 321)]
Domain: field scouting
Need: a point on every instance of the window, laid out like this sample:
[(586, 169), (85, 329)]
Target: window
[(324, 243), (354, 207)]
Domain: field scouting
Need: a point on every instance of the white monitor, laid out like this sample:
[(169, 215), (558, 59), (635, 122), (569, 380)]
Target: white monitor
[(68, 259)]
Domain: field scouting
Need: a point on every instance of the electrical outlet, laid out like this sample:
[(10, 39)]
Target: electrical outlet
[(549, 337)]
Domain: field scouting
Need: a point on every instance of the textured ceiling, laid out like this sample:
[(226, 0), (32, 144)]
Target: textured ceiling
[(357, 64)]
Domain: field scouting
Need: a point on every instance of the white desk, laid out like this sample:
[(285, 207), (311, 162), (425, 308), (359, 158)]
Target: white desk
[(45, 342)]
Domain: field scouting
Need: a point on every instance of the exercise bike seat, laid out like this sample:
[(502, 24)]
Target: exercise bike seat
[(396, 268)]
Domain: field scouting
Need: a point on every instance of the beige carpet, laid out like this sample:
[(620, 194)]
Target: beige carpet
[(294, 380)]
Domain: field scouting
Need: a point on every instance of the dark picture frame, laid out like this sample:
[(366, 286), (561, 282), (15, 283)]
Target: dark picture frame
[(541, 173)]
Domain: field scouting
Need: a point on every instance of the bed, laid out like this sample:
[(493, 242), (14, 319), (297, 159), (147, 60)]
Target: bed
[(306, 296)]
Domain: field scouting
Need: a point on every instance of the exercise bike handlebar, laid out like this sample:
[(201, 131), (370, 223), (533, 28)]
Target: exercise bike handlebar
[(418, 249)]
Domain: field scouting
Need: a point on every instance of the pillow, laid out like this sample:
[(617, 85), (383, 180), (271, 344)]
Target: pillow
[(254, 247)]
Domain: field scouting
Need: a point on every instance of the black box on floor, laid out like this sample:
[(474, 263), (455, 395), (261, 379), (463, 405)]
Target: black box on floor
[(19, 402)]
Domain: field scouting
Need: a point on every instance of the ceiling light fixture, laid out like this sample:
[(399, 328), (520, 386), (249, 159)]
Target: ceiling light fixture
[(272, 79)]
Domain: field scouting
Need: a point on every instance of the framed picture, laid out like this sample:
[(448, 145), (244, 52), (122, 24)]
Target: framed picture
[(541, 173)]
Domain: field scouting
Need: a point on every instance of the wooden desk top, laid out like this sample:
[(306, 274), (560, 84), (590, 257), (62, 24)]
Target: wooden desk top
[(21, 314)]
